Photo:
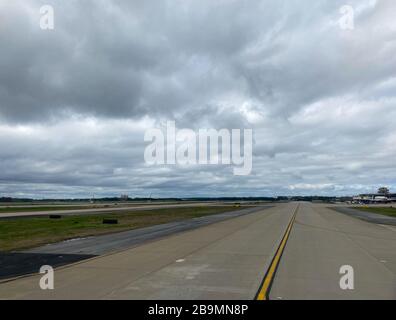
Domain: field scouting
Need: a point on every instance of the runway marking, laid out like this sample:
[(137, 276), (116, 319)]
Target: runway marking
[(265, 287)]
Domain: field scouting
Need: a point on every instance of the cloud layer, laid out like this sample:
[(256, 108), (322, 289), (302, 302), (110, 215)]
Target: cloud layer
[(75, 101)]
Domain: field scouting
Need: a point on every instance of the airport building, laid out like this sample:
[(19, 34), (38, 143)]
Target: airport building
[(375, 198)]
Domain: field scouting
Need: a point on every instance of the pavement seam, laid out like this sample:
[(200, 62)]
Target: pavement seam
[(343, 232), (365, 251), (367, 217)]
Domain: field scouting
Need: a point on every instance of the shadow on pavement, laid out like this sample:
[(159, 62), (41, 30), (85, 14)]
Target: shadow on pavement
[(15, 264)]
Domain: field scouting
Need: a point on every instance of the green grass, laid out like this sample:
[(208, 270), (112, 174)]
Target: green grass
[(43, 208), (38, 208), (11, 209), (23, 233), (386, 211)]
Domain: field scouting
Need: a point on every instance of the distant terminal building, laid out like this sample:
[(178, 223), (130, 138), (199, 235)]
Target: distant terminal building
[(379, 197)]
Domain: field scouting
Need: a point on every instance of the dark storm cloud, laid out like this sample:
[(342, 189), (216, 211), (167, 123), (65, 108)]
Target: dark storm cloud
[(128, 59), (75, 101)]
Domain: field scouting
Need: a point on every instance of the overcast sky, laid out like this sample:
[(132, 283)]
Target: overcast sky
[(75, 101)]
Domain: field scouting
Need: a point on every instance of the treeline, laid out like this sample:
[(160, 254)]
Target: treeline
[(232, 199), (9, 199), (317, 198), (105, 199)]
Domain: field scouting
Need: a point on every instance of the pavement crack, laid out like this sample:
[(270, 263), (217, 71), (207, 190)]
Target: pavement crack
[(343, 232)]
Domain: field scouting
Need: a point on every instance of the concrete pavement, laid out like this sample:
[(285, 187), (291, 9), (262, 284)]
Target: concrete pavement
[(73, 250), (367, 216), (102, 244), (228, 260), (225, 260), (323, 240)]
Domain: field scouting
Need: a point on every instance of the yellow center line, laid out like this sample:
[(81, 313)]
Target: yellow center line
[(263, 293)]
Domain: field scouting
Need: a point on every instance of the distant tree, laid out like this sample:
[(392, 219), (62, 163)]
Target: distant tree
[(383, 190)]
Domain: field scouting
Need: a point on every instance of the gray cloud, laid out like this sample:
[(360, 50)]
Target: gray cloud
[(75, 101)]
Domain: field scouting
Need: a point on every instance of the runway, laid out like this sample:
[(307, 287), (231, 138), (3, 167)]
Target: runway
[(321, 242), (367, 216), (229, 260), (68, 251), (69, 212), (99, 245)]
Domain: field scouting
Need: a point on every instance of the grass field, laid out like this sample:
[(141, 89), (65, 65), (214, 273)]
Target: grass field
[(43, 208), (16, 234), (386, 211), (11, 209)]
